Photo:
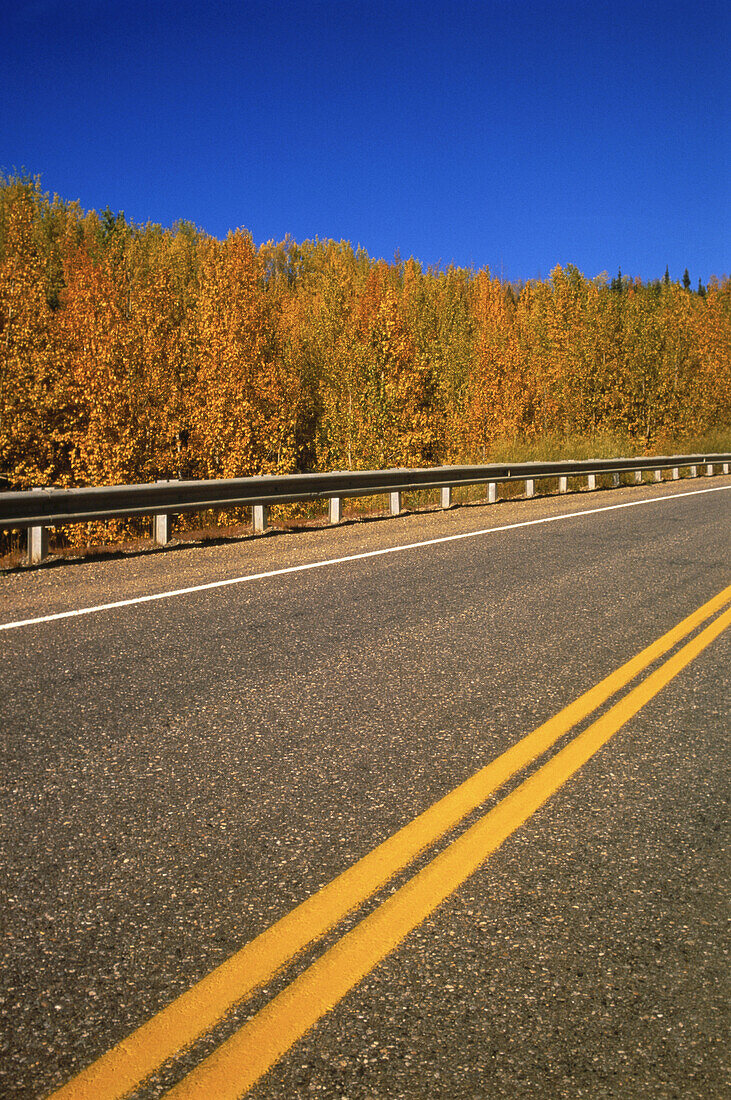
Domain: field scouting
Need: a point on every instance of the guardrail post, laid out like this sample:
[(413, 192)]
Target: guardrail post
[(37, 545), (591, 481), (530, 487), (334, 510), (446, 496), (394, 503), (161, 520), (616, 481), (37, 540), (693, 471), (563, 484), (260, 518), (638, 477), (658, 475), (709, 469), (491, 492), (161, 528), (725, 467), (676, 473)]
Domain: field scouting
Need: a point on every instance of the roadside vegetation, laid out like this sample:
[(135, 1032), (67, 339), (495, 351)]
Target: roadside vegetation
[(130, 353)]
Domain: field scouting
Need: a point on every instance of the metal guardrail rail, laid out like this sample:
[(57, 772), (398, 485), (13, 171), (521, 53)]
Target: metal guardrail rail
[(38, 509)]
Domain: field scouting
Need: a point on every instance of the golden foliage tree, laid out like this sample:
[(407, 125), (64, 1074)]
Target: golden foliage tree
[(29, 376), (247, 395)]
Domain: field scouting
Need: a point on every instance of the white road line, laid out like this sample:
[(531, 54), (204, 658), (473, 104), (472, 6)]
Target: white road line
[(351, 557)]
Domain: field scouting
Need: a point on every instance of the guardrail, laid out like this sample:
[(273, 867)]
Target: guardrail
[(38, 509)]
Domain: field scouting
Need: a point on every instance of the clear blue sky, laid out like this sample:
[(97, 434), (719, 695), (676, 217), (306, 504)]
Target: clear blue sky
[(514, 134)]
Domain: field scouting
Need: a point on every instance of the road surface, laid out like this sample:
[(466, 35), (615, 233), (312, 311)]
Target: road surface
[(182, 773)]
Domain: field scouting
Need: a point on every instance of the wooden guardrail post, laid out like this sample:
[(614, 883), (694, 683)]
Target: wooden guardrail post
[(591, 481), (394, 503), (445, 494), (37, 545), (530, 487), (563, 484), (161, 520), (334, 509), (260, 518), (161, 528), (491, 492)]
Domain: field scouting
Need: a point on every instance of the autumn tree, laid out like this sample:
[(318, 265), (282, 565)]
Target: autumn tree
[(30, 381), (246, 394)]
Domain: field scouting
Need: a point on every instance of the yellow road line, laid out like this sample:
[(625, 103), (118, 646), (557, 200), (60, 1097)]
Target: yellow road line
[(195, 1012), (234, 1067)]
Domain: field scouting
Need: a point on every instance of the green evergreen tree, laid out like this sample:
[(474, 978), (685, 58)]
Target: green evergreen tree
[(666, 276), (686, 280), (111, 224)]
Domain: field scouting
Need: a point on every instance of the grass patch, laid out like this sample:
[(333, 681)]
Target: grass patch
[(558, 448)]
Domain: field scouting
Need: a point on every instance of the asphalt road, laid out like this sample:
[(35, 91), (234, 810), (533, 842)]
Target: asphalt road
[(179, 774)]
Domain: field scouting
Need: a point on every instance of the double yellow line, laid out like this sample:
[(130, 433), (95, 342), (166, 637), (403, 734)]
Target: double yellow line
[(240, 1061)]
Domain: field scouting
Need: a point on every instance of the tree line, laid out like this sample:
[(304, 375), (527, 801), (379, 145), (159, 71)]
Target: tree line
[(130, 353)]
